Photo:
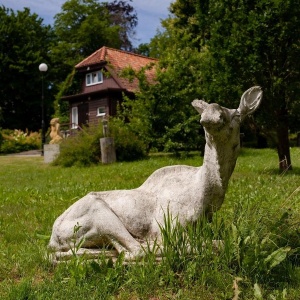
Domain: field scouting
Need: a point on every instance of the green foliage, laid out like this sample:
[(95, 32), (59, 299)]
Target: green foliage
[(255, 256), (81, 269), (187, 249), (128, 144), (23, 46), (14, 141), (143, 49), (162, 111), (83, 147), (258, 252), (91, 24), (124, 15), (247, 239), (70, 85), (81, 27), (25, 291), (244, 44), (84, 26)]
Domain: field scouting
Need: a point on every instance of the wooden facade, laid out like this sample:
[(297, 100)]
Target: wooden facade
[(102, 87)]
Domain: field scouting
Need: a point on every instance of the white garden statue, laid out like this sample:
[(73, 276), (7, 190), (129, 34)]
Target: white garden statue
[(123, 218)]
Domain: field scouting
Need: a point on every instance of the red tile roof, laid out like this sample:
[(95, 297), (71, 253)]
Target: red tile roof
[(118, 60)]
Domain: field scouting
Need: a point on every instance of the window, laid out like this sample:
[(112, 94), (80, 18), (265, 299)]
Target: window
[(74, 117), (101, 111), (94, 78)]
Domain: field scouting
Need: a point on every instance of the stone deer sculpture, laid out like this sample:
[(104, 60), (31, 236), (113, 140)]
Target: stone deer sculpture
[(122, 217)]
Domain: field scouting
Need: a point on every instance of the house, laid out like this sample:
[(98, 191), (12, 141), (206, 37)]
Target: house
[(101, 87)]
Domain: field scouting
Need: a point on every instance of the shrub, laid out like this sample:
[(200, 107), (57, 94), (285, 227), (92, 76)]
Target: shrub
[(15, 141), (128, 145), (83, 149)]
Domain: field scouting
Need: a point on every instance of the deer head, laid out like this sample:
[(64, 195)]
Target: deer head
[(218, 120)]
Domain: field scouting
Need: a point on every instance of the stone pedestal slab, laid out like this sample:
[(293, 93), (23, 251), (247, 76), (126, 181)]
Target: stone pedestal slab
[(108, 152), (51, 152)]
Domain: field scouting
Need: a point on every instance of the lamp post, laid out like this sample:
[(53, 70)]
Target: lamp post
[(43, 68)]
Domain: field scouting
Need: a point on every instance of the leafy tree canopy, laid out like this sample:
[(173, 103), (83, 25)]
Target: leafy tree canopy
[(242, 43), (83, 26), (162, 112), (23, 46)]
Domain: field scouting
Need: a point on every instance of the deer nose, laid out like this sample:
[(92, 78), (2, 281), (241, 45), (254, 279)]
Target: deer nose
[(208, 119)]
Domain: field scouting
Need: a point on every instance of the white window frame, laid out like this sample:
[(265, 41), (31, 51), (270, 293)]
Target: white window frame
[(74, 117), (101, 111), (93, 78)]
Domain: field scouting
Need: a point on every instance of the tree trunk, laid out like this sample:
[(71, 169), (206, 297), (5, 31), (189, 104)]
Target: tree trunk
[(283, 146)]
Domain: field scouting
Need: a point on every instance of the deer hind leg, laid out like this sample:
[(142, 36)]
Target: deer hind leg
[(106, 225)]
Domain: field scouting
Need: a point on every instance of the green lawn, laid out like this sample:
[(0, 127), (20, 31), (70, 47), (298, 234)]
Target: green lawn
[(259, 222)]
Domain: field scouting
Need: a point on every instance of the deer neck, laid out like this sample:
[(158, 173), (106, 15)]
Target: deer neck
[(219, 162)]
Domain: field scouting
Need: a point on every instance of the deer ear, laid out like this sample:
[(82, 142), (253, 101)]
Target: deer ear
[(250, 101), (199, 105)]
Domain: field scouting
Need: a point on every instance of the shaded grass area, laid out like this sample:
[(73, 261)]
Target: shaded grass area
[(260, 215)]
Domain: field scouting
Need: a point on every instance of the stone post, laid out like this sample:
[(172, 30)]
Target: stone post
[(108, 152), (51, 151)]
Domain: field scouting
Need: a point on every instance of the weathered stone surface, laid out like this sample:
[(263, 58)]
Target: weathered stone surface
[(51, 152), (122, 218), (108, 152)]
